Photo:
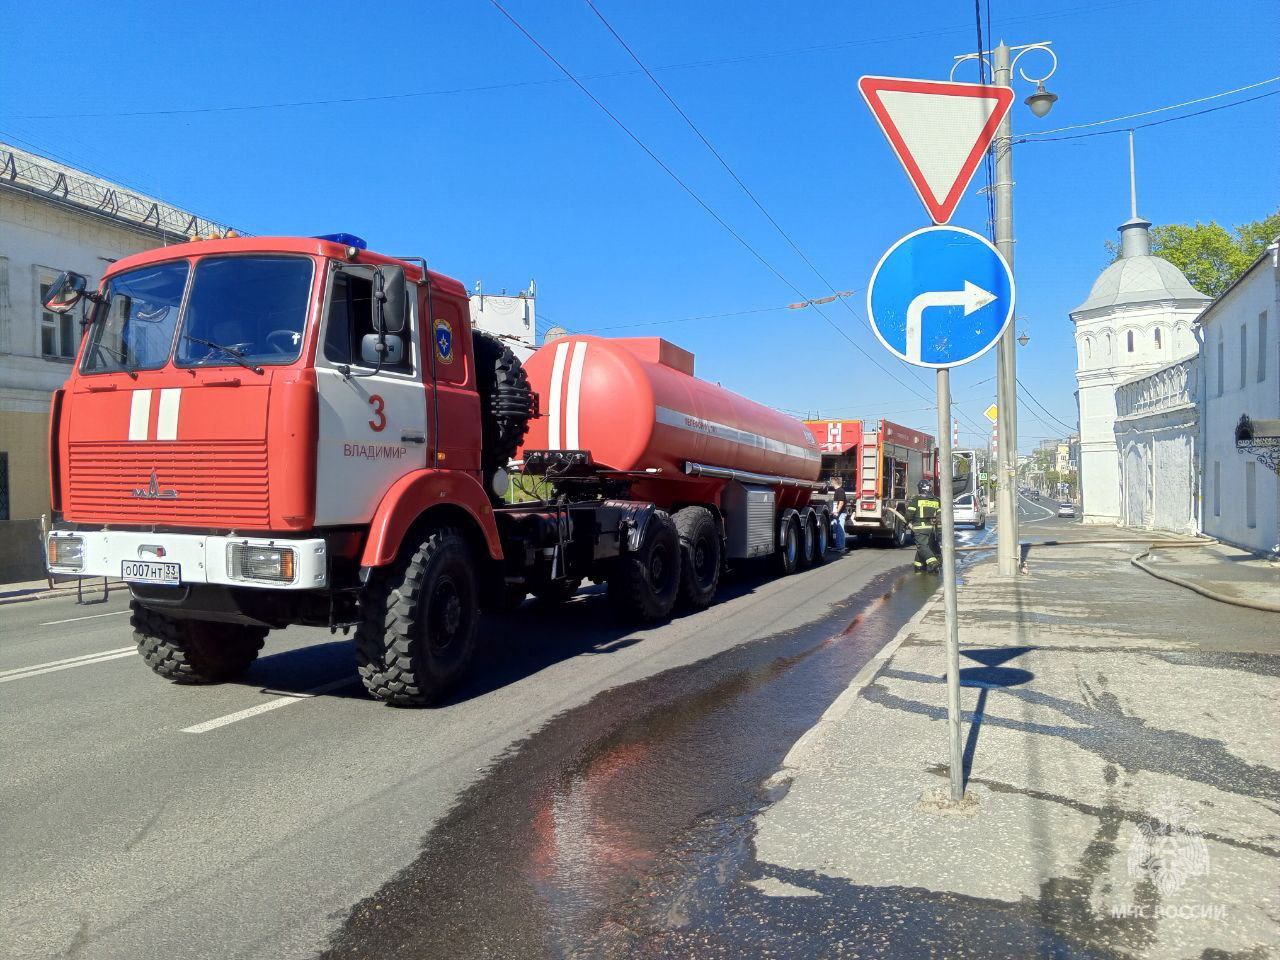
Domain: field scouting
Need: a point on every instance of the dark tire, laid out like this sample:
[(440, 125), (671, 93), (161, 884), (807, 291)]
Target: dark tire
[(194, 651), (981, 526), (556, 592), (821, 538), (786, 559), (418, 623), (807, 545), (701, 556), (506, 400), (644, 585), (901, 535)]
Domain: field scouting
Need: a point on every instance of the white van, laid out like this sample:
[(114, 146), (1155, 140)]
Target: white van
[(971, 510)]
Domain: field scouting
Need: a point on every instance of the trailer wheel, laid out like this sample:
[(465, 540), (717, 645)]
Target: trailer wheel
[(556, 591), (786, 559), (418, 625), (700, 559), (807, 544), (194, 651), (821, 538), (644, 584)]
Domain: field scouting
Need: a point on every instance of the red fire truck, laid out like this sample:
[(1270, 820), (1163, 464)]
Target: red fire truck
[(261, 432), (881, 463)]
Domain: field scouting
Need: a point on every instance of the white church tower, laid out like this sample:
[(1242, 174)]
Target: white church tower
[(1136, 319)]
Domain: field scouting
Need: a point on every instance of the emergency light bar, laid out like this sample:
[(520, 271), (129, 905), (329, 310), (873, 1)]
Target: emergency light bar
[(346, 239)]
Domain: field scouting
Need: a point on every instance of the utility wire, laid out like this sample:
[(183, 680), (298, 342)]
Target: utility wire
[(742, 184), (1147, 113), (694, 195), (1032, 397), (1153, 123)]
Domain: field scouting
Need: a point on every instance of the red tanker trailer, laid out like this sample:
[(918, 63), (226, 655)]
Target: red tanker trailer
[(728, 478), (362, 482)]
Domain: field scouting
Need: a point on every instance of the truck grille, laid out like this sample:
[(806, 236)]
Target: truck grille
[(218, 483)]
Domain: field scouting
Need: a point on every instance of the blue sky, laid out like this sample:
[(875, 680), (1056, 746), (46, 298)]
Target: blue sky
[(528, 177)]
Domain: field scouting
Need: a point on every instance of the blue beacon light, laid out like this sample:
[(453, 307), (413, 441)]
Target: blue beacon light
[(346, 239)]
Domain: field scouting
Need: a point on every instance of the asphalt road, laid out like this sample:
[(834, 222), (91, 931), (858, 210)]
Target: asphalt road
[(271, 817)]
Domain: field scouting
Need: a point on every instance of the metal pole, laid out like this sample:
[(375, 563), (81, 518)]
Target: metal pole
[(1008, 551), (946, 496)]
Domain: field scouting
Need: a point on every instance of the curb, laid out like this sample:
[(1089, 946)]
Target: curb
[(45, 593), (861, 680), (1201, 589)]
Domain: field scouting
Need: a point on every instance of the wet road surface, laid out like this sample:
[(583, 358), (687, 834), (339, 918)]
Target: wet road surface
[(564, 844)]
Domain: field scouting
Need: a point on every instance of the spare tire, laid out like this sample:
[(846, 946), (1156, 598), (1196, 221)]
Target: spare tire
[(506, 400)]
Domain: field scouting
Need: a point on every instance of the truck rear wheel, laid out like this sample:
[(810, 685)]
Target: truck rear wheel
[(786, 559), (644, 584), (418, 625), (821, 538), (807, 545), (194, 651), (901, 534), (700, 556)]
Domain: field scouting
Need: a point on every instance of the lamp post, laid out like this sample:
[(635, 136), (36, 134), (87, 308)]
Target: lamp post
[(1002, 61)]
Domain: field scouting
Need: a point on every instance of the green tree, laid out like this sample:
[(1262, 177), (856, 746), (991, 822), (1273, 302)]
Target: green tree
[(1210, 255)]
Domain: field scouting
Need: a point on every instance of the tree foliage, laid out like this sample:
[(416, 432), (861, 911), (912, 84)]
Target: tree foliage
[(1208, 254)]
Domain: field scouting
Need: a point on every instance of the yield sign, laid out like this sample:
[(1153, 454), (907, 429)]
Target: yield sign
[(939, 131)]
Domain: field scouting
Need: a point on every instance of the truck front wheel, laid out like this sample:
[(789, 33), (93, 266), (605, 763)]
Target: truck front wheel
[(194, 651), (418, 624), (700, 562), (644, 584)]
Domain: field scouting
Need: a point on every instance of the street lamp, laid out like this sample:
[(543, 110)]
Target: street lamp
[(1002, 61), (1023, 339)]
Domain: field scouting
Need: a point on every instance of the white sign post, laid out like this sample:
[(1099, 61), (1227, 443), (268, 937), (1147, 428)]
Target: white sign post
[(941, 296)]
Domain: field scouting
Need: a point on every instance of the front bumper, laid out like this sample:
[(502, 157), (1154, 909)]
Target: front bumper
[(201, 559)]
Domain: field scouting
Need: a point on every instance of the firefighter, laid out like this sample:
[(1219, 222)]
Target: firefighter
[(923, 513)]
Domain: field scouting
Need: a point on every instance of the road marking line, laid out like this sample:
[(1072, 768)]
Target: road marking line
[(275, 704), (54, 667), (96, 616)]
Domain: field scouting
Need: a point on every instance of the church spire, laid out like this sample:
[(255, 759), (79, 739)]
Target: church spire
[(1135, 238)]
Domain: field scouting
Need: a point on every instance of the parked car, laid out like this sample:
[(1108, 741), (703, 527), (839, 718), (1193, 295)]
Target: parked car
[(1066, 509), (971, 510)]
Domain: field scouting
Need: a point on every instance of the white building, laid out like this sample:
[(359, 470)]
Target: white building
[(1156, 437), (1138, 318), (1240, 375), (54, 218), (511, 318)]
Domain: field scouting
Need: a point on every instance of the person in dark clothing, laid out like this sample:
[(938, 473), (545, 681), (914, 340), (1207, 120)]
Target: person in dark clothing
[(839, 504), (923, 513)]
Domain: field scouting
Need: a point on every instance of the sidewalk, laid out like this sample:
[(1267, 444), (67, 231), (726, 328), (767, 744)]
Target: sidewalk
[(62, 587), (1225, 572), (1123, 752)]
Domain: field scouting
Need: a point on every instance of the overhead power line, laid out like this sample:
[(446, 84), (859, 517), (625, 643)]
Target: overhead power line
[(1153, 123), (1031, 396), (1147, 113), (728, 168), (697, 198)]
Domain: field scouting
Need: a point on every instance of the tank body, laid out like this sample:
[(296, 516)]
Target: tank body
[(635, 404)]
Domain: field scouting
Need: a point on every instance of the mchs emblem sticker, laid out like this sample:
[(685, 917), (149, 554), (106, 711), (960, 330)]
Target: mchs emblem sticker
[(444, 341)]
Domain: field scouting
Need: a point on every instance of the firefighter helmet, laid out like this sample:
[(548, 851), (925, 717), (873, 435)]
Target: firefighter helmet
[(925, 487)]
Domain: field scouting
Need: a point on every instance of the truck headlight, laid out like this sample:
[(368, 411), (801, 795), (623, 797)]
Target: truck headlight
[(248, 562), (66, 552)]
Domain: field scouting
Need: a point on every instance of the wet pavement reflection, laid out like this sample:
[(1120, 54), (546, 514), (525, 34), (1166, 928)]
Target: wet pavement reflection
[(567, 840)]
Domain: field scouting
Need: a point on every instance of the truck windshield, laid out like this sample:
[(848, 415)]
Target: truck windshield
[(246, 310), (134, 323)]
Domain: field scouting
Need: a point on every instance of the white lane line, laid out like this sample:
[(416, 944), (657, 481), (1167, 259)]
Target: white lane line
[(96, 616), (21, 673), (1048, 513), (275, 704)]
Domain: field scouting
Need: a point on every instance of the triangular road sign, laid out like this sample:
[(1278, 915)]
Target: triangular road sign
[(939, 130)]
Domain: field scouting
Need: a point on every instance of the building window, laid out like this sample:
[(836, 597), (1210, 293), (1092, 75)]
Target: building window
[(1129, 341), (1244, 352), (1217, 488), (1251, 494), (1157, 338), (1088, 348), (1262, 346), (4, 485), (1221, 368), (57, 331)]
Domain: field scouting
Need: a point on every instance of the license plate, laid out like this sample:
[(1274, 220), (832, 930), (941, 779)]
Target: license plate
[(148, 571)]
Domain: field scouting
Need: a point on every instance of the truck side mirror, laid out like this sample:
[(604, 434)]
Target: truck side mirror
[(378, 351), (389, 298), (65, 292)]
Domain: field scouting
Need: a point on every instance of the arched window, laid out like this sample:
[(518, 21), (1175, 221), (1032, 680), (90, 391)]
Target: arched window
[(1129, 341), (1108, 351), (1157, 338), (1088, 348)]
